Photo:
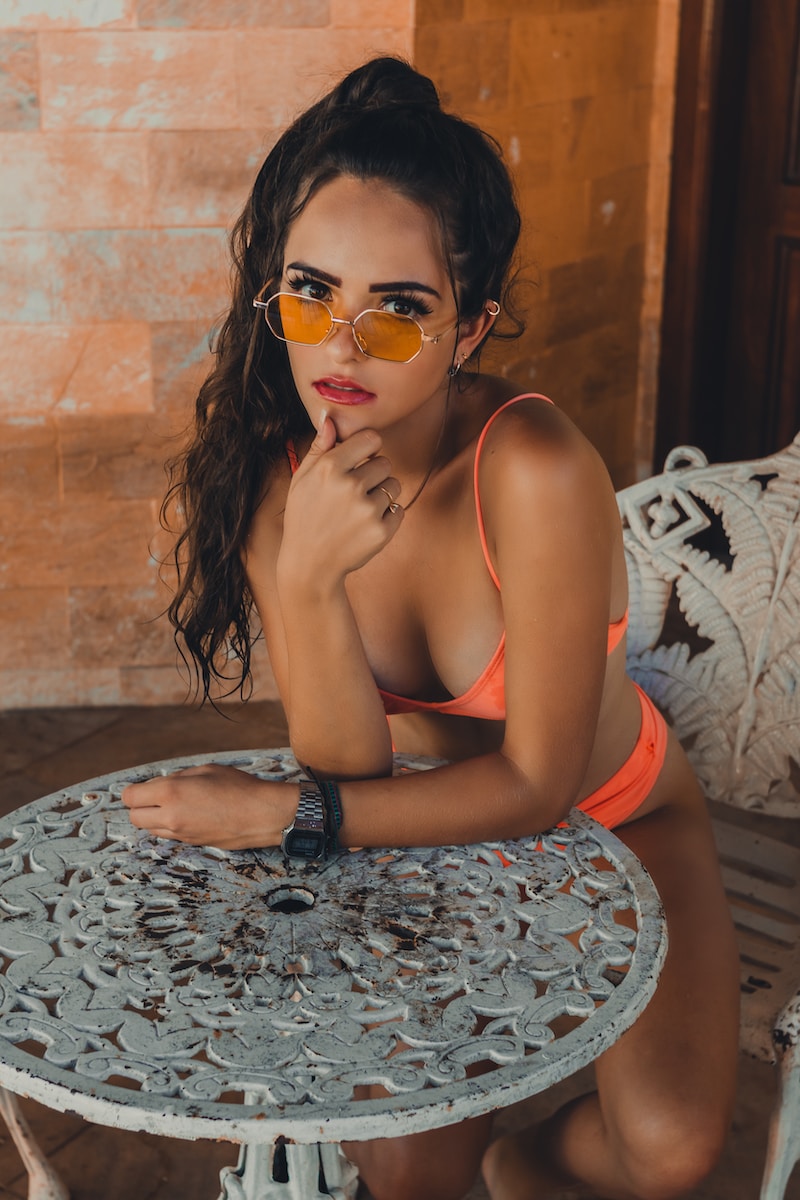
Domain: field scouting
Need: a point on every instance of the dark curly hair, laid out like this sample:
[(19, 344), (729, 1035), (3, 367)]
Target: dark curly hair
[(383, 121)]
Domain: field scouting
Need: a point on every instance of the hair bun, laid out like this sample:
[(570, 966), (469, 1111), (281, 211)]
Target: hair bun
[(384, 81)]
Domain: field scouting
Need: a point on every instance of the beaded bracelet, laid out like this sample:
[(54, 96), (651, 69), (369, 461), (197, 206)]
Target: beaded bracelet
[(330, 791), (333, 810)]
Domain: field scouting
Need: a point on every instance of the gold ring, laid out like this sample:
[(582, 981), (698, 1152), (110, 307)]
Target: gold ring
[(393, 505)]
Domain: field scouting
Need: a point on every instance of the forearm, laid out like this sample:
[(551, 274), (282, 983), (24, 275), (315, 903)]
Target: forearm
[(337, 722), (480, 799)]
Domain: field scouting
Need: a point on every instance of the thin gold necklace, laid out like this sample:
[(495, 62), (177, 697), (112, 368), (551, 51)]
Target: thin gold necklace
[(435, 455)]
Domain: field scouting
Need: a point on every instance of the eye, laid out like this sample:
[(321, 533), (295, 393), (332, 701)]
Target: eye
[(307, 285), (406, 306)]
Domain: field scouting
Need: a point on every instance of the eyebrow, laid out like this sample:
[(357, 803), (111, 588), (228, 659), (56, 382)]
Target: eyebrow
[(396, 285), (404, 285)]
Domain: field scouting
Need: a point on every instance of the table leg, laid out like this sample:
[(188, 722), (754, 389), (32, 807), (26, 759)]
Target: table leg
[(251, 1178), (43, 1182)]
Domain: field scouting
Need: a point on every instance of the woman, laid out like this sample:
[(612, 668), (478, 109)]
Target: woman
[(420, 540)]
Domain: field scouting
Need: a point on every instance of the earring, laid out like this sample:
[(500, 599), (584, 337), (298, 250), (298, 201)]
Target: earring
[(457, 365)]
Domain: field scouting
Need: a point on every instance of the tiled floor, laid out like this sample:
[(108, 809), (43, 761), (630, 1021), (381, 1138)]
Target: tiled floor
[(43, 750)]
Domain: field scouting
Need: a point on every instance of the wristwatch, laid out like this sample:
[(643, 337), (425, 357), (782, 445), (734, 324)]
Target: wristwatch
[(306, 837)]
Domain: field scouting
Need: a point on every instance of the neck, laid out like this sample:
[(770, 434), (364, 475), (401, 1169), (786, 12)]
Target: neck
[(417, 456)]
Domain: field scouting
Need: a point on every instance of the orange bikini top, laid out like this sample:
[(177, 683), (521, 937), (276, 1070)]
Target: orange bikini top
[(486, 698)]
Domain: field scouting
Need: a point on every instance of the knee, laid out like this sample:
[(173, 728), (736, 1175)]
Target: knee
[(666, 1156)]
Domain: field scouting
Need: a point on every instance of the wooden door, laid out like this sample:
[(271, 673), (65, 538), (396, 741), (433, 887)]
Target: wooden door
[(763, 378), (730, 375)]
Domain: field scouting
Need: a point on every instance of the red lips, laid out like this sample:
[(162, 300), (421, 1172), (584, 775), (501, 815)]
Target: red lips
[(342, 391)]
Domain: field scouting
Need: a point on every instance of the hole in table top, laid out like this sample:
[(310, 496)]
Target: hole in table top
[(290, 899)]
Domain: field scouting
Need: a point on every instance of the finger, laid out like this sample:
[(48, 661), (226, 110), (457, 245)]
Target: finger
[(138, 795), (386, 494), (357, 449), (393, 518), (326, 418), (150, 819), (377, 472), (154, 791), (325, 438)]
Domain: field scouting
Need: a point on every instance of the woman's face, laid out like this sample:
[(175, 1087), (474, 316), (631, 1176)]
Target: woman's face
[(361, 245)]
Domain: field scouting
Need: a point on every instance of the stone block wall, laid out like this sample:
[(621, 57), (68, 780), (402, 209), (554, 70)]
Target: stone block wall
[(130, 131), (579, 94)]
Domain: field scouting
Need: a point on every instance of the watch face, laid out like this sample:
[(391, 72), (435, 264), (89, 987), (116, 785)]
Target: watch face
[(306, 837), (305, 844)]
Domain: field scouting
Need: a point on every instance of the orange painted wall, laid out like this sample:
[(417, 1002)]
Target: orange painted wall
[(127, 147)]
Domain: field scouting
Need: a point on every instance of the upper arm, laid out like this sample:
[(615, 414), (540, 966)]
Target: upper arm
[(260, 561), (552, 528)]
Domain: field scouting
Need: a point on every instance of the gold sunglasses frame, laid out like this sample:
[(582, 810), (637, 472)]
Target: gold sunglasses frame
[(424, 337)]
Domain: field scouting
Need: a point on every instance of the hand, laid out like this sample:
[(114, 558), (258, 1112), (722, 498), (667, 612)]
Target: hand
[(338, 515), (212, 805)]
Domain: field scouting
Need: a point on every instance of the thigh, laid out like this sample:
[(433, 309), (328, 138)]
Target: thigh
[(440, 1164), (679, 1059)]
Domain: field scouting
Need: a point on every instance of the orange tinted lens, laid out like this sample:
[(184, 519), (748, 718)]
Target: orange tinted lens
[(388, 336), (299, 319)]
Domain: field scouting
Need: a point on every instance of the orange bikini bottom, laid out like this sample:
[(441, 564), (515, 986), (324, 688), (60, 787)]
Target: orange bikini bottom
[(620, 796)]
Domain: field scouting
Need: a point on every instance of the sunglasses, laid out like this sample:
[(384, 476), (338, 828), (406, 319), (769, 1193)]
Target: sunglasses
[(308, 322)]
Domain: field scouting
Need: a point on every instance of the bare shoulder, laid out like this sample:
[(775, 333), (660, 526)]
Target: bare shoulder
[(266, 525), (276, 489), (532, 450), (550, 514)]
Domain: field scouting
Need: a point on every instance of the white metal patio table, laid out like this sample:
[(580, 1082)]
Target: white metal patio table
[(200, 993)]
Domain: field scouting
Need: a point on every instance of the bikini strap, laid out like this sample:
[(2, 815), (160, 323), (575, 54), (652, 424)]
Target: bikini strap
[(291, 454), (478, 450)]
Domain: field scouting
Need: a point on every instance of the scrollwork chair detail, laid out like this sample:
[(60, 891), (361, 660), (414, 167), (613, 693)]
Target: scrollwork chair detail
[(714, 565)]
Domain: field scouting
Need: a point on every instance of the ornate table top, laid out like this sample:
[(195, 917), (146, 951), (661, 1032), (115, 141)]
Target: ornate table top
[(204, 993)]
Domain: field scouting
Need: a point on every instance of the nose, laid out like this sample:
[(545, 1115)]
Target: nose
[(342, 341)]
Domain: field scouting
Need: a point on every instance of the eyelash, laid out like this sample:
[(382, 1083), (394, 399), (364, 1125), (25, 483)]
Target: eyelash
[(298, 282), (418, 306)]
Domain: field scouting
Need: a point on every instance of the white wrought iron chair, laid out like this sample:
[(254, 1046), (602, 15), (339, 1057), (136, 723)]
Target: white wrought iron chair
[(714, 564)]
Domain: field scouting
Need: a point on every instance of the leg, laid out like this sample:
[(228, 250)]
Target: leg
[(665, 1091), (436, 1165)]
